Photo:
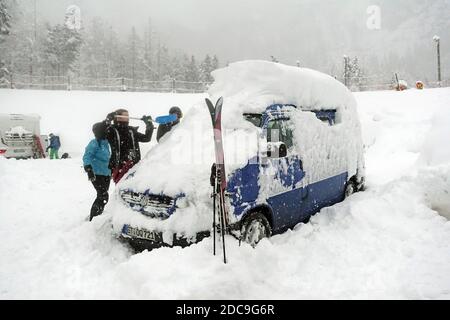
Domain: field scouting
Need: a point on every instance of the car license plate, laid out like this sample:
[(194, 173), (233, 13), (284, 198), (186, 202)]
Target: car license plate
[(140, 233), (19, 150)]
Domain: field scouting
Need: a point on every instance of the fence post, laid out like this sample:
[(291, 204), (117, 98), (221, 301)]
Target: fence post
[(11, 83), (398, 81), (123, 84), (439, 63), (68, 83), (174, 90)]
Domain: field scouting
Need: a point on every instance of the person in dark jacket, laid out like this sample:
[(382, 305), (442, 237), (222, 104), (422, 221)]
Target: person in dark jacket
[(96, 164), (163, 129), (54, 146), (124, 141)]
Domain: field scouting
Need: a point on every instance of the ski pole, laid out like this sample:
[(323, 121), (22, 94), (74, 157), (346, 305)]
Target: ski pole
[(222, 215), (214, 210), (223, 229)]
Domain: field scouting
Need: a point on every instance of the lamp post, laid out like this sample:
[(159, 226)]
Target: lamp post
[(438, 46)]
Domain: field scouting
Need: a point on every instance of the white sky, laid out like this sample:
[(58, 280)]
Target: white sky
[(288, 29)]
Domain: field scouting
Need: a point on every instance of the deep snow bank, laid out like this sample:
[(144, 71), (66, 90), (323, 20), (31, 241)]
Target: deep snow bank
[(387, 243), (406, 135)]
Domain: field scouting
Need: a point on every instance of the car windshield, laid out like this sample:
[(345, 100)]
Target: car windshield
[(254, 118)]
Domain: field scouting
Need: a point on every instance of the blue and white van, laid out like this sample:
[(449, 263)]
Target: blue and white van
[(305, 158)]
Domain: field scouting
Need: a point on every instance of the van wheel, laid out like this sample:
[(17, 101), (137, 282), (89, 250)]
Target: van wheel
[(255, 228), (349, 189)]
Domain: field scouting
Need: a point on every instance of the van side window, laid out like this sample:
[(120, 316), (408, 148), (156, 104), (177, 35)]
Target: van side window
[(326, 116), (279, 131)]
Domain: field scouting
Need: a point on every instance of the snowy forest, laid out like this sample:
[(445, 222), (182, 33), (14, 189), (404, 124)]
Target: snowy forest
[(40, 50), (146, 46)]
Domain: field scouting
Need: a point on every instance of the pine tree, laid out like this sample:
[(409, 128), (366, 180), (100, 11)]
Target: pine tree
[(114, 54), (5, 19), (94, 54), (133, 53), (192, 72), (215, 63), (19, 46), (206, 69), (62, 48), (177, 69), (356, 74), (148, 52), (165, 64)]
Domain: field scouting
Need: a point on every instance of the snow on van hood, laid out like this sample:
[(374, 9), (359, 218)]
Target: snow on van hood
[(181, 163)]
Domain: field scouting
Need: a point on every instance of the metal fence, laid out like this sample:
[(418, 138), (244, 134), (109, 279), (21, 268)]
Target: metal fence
[(384, 82), (15, 81)]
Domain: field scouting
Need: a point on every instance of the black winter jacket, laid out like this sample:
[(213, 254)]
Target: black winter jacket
[(163, 129), (124, 142)]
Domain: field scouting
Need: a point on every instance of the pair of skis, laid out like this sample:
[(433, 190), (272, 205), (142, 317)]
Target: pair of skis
[(220, 184)]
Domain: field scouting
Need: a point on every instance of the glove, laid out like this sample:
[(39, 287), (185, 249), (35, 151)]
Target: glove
[(110, 117), (148, 121), (90, 173), (212, 177)]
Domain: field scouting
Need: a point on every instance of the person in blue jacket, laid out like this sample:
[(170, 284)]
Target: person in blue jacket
[(54, 146), (96, 164)]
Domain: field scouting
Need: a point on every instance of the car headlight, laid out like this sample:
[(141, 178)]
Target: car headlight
[(182, 203)]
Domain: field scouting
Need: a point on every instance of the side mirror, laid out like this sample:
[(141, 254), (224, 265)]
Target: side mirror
[(276, 150)]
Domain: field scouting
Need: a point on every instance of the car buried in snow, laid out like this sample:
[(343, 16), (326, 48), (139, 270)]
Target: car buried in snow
[(307, 154)]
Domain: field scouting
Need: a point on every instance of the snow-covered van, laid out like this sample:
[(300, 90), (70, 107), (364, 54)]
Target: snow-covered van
[(20, 136), (292, 147)]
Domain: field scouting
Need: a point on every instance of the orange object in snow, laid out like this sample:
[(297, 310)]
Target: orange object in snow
[(419, 85)]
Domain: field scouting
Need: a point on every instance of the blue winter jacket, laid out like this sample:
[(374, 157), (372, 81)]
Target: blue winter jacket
[(97, 155), (55, 143)]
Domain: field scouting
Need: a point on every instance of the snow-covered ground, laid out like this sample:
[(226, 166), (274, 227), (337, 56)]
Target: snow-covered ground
[(392, 241), (72, 114)]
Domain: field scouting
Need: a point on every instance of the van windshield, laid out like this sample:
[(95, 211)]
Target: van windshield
[(254, 118)]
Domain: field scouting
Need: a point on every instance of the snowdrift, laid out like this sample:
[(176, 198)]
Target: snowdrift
[(390, 242)]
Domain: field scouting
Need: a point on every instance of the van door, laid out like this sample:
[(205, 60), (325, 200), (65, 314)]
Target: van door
[(281, 174)]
